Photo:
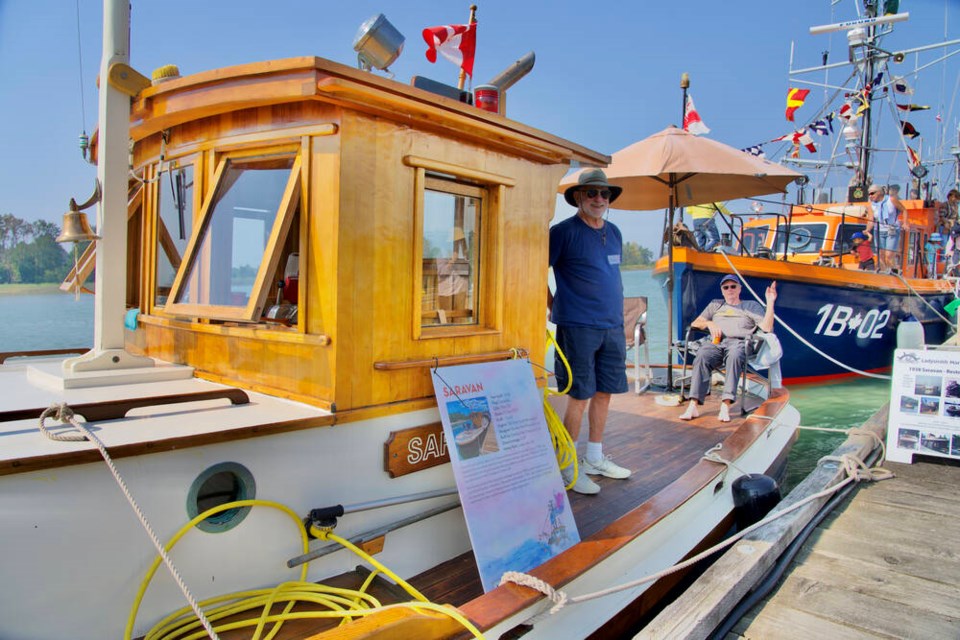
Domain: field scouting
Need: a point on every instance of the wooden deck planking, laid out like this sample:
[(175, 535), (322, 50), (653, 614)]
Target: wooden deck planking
[(647, 438), (883, 566)]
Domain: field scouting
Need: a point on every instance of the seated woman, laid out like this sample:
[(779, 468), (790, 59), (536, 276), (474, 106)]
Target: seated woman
[(729, 321)]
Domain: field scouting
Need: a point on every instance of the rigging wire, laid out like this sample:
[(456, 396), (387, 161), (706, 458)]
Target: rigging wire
[(83, 107), (84, 140)]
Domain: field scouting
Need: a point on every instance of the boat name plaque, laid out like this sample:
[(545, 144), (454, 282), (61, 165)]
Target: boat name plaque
[(415, 449)]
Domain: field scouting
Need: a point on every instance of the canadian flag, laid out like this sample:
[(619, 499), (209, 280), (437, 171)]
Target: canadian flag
[(455, 42), (691, 119)]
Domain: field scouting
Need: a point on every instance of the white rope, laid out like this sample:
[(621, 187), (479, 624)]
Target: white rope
[(713, 455), (64, 414), (796, 335), (923, 300), (855, 469)]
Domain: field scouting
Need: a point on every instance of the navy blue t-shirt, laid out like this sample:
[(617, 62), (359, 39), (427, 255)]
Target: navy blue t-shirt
[(586, 266)]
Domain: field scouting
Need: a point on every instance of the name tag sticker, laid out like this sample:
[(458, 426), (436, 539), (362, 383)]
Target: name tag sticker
[(613, 258)]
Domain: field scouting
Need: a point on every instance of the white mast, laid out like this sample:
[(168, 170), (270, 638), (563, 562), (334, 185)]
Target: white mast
[(112, 166)]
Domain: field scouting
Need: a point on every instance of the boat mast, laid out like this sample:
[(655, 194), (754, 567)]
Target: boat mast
[(116, 79), (869, 65)]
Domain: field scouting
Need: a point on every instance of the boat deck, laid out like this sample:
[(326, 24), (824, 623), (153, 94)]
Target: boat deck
[(641, 435), (882, 566)]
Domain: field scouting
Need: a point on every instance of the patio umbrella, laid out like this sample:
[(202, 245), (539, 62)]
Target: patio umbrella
[(674, 168)]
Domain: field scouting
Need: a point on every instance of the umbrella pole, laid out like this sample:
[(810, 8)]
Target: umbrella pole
[(670, 293)]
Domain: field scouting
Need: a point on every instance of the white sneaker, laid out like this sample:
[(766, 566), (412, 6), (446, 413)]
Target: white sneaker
[(604, 467), (583, 484)]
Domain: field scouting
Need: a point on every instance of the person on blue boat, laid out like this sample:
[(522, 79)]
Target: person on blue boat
[(705, 228), (729, 321), (862, 251), (933, 254), (888, 213), (585, 253)]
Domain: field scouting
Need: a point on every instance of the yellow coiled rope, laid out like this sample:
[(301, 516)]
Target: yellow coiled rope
[(563, 444), (339, 603)]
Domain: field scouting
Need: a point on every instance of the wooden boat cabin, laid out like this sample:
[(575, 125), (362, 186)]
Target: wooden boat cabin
[(317, 232)]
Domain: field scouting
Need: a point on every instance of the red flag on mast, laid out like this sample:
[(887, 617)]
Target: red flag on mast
[(691, 119), (455, 42)]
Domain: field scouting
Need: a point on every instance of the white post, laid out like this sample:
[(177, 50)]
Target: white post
[(112, 167)]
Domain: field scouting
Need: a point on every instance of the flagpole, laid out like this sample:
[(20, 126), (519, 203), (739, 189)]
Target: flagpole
[(463, 74), (684, 85)]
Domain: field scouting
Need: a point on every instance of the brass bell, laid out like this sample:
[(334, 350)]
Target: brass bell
[(76, 227)]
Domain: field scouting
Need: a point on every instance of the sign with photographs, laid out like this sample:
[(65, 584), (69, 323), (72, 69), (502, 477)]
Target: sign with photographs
[(924, 405), (506, 470)]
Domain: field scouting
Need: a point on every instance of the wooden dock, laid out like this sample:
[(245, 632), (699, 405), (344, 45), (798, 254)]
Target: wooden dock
[(884, 564)]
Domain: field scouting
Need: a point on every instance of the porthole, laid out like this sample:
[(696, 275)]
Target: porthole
[(220, 484)]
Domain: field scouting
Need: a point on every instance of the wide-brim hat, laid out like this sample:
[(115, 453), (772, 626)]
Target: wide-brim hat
[(591, 178)]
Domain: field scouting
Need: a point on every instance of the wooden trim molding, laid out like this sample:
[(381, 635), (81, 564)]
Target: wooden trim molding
[(447, 361)]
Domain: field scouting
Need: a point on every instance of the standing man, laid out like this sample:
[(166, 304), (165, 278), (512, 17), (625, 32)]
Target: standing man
[(888, 214), (585, 252), (730, 321), (705, 228)]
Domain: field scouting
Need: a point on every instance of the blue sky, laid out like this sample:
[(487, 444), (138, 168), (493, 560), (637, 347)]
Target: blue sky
[(607, 73)]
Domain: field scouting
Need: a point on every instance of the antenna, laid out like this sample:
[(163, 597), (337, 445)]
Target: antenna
[(861, 22)]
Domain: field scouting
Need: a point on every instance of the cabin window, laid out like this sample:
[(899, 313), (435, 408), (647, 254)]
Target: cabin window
[(458, 249), (175, 191), (804, 238), (913, 247), (846, 230), (235, 251), (452, 217)]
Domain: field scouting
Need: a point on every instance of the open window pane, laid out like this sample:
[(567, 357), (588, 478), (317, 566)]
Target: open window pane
[(174, 226), (451, 225), (236, 234)]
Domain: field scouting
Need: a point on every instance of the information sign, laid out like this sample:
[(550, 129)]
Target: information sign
[(503, 461), (924, 405)]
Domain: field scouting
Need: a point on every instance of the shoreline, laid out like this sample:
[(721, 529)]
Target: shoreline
[(23, 289)]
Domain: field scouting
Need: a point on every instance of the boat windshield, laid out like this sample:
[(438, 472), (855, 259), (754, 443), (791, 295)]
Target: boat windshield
[(804, 237)]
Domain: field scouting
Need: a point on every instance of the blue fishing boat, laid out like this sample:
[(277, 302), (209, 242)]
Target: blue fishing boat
[(835, 318)]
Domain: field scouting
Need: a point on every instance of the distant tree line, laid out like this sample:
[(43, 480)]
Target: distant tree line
[(636, 256), (29, 252)]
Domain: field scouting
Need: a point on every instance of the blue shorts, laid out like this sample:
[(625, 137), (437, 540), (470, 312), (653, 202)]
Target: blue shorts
[(597, 359), (889, 239)]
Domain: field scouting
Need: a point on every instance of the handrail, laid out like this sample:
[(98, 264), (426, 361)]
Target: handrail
[(115, 409), (445, 361)]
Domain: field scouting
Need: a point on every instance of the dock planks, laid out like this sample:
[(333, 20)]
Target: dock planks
[(882, 566)]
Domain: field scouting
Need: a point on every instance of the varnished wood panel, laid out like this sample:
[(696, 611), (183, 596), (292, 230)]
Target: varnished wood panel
[(356, 224)]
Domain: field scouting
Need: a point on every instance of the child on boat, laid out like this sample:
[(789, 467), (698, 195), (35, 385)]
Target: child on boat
[(861, 249), (933, 254)]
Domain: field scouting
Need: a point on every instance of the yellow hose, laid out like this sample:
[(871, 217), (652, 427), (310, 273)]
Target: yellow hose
[(340, 603), (563, 444)]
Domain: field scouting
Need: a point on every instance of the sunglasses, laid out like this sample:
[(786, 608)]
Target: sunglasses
[(873, 193), (730, 286), (593, 193)]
